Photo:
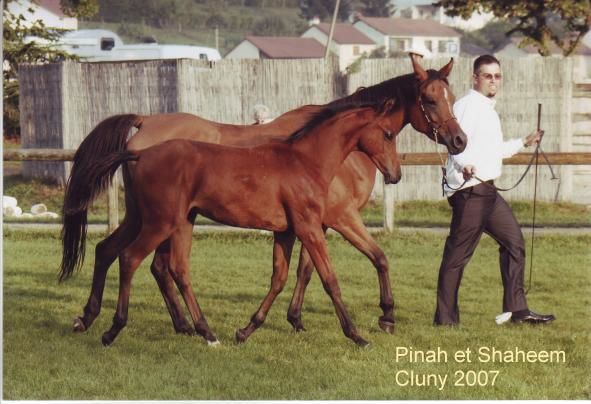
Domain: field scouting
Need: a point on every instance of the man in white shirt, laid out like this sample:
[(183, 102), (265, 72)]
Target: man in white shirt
[(477, 206)]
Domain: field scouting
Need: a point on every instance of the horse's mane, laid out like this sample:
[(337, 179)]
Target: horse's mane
[(331, 110), (403, 90)]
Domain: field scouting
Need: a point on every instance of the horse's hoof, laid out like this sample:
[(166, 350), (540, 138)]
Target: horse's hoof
[(241, 336), (387, 326), (107, 340), (296, 323), (188, 330), (79, 325), (360, 342), (213, 343)]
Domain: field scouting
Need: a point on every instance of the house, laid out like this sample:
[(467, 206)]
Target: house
[(399, 35), (267, 47), (48, 11), (424, 9), (347, 43)]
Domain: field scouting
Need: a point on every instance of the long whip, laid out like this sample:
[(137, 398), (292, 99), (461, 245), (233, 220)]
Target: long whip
[(533, 222)]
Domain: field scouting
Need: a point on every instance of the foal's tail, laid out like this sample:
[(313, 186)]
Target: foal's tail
[(95, 164)]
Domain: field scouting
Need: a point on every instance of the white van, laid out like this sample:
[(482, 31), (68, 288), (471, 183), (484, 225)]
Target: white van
[(99, 45)]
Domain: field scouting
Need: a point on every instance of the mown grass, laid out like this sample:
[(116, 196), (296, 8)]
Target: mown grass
[(414, 213), (43, 359)]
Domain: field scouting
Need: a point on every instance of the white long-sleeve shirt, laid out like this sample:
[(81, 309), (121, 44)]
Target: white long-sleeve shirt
[(486, 148)]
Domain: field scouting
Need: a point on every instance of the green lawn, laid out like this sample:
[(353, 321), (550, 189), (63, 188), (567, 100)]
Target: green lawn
[(44, 359)]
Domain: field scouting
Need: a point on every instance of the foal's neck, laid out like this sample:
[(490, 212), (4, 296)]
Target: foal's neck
[(328, 145)]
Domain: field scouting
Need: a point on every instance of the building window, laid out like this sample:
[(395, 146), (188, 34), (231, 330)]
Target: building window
[(355, 50), (399, 44), (448, 47), (429, 45)]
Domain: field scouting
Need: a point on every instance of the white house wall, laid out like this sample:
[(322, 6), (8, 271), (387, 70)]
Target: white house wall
[(347, 56), (39, 13), (245, 50), (379, 38), (345, 52)]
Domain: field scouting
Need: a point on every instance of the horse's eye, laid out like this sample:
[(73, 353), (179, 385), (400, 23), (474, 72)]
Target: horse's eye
[(389, 135)]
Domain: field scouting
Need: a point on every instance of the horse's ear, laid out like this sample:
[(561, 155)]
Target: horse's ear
[(419, 71), (389, 106), (445, 70)]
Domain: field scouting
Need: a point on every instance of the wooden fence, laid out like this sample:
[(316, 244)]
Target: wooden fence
[(61, 103), (406, 159)]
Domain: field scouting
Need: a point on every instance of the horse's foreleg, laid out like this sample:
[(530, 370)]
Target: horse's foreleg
[(105, 253), (351, 227), (129, 260), (282, 248), (160, 271), (315, 242), (179, 268)]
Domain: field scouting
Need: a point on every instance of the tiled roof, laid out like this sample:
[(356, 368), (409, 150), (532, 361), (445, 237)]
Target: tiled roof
[(345, 34), (287, 47), (409, 27), (51, 5)]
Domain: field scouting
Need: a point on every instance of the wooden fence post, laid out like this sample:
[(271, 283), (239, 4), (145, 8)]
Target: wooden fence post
[(389, 208), (113, 205)]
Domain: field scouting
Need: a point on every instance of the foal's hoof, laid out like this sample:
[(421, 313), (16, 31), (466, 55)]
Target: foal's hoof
[(107, 339), (296, 323), (241, 336), (213, 343), (361, 342), (387, 326), (78, 325), (187, 330)]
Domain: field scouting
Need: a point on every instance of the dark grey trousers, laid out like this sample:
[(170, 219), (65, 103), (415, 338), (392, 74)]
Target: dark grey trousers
[(476, 210)]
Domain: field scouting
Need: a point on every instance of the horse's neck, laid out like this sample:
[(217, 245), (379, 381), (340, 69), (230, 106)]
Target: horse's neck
[(328, 145)]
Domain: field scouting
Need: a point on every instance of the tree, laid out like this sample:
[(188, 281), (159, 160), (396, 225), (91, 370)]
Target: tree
[(24, 42), (324, 9), (79, 8), (541, 22), (376, 8)]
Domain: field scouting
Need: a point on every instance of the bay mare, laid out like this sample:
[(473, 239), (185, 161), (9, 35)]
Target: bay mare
[(281, 186), (417, 95)]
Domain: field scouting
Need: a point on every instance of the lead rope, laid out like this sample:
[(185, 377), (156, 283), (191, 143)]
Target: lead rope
[(533, 222)]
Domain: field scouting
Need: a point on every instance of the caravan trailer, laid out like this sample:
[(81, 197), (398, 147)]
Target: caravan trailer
[(99, 45)]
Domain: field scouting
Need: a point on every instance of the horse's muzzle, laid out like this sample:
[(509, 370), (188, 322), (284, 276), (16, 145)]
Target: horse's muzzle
[(392, 178)]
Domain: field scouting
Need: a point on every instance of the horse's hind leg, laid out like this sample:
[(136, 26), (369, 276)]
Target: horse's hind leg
[(105, 253), (129, 260), (282, 248), (160, 271), (179, 268), (304, 275), (351, 227)]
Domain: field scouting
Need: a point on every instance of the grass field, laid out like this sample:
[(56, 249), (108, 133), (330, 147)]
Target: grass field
[(43, 359)]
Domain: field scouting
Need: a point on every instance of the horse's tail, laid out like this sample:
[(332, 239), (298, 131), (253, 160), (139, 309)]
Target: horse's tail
[(95, 164), (107, 137), (74, 226)]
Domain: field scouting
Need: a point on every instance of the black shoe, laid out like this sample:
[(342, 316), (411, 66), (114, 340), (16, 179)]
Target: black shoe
[(528, 316)]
